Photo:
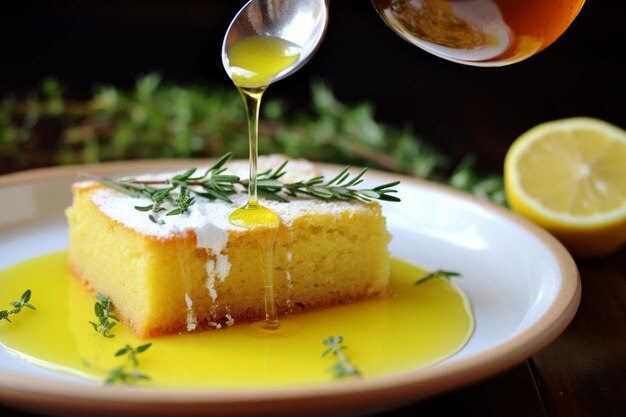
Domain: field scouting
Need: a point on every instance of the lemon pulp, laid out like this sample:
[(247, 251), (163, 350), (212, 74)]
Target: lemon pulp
[(419, 326), (570, 177)]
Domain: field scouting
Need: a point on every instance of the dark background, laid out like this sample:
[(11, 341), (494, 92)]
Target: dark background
[(458, 108)]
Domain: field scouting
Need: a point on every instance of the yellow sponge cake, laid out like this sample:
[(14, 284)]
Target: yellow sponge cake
[(198, 271)]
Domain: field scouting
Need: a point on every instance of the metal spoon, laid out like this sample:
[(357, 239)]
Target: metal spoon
[(302, 22)]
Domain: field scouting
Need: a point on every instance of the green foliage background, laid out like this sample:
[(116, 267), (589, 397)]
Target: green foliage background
[(155, 120)]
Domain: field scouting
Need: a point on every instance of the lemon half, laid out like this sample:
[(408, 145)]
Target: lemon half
[(569, 176)]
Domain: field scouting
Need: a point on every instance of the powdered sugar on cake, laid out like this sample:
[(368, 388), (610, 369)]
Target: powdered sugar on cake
[(208, 219)]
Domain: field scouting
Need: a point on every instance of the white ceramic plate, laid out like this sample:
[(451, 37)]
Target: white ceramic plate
[(522, 284)]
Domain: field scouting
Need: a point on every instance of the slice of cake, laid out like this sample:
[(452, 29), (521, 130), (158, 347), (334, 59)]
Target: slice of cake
[(198, 271)]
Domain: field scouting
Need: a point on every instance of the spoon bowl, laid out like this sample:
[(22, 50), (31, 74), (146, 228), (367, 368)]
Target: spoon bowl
[(301, 22)]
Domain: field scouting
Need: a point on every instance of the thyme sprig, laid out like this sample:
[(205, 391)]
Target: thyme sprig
[(17, 306), (175, 195), (132, 353), (438, 273), (122, 374), (344, 367), (103, 308)]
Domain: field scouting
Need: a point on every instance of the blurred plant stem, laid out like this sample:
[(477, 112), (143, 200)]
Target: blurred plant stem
[(155, 120)]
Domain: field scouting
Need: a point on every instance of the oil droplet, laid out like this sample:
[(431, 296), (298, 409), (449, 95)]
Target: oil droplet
[(254, 215)]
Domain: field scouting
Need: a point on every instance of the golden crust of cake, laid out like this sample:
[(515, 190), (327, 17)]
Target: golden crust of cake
[(169, 284)]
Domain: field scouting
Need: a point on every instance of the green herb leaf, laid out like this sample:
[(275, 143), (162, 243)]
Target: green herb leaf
[(121, 374), (343, 368), (25, 297), (103, 309), (143, 348), (438, 273), (17, 306), (4, 315)]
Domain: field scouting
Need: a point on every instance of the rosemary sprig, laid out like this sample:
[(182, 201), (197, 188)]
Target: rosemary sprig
[(103, 308), (340, 187), (343, 368), (17, 306), (175, 195), (178, 193), (438, 273), (121, 374)]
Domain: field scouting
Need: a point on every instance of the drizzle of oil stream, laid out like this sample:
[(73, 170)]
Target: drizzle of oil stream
[(418, 326), (254, 62)]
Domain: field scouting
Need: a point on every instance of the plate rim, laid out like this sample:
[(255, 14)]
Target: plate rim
[(398, 388)]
